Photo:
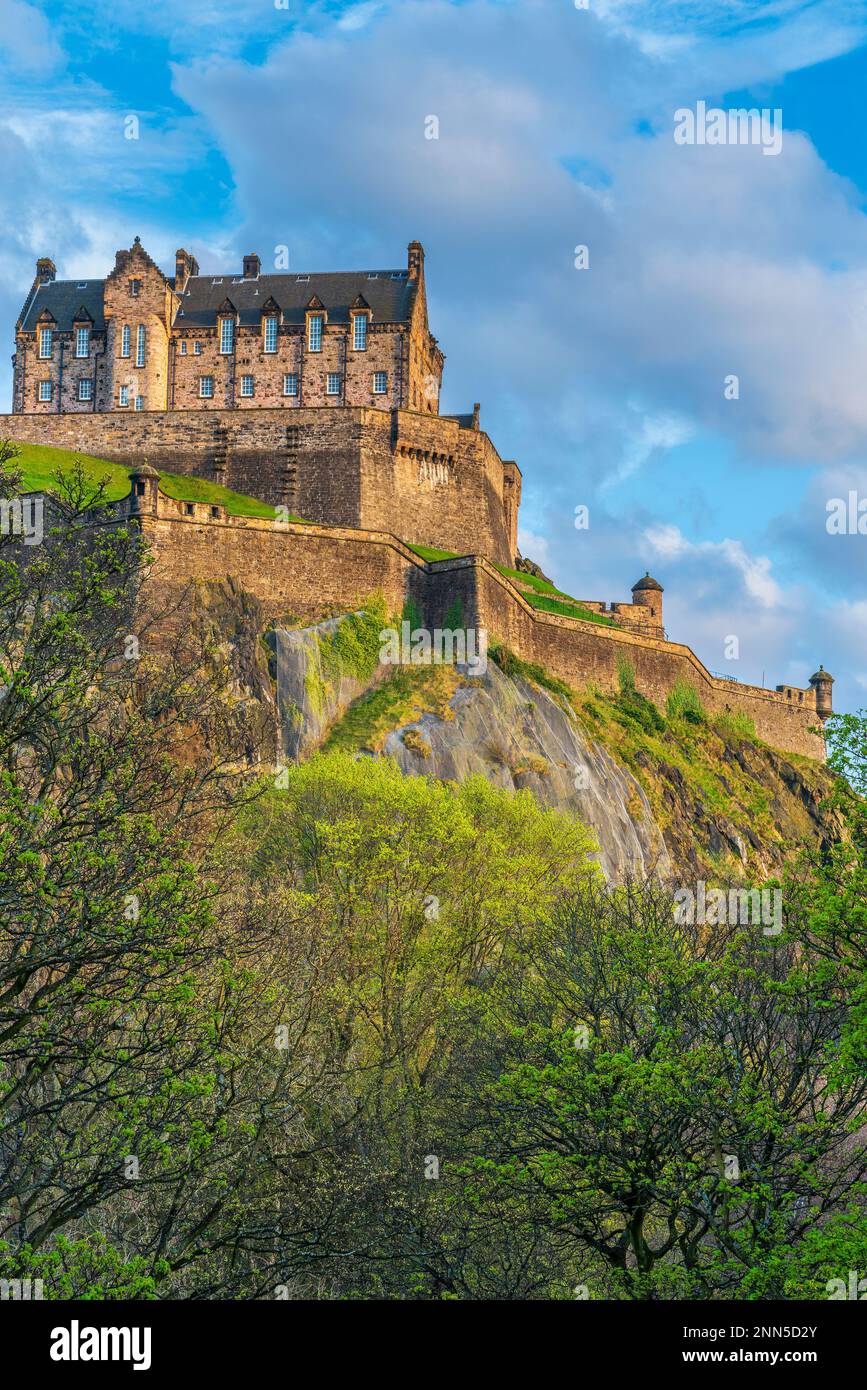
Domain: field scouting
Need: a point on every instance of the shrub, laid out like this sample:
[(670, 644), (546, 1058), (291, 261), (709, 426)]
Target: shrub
[(625, 676), (683, 703)]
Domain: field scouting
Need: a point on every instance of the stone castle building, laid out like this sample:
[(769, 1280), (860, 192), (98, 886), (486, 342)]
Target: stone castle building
[(141, 340), (320, 393)]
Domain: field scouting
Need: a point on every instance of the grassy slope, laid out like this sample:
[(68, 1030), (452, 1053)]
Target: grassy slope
[(38, 465)]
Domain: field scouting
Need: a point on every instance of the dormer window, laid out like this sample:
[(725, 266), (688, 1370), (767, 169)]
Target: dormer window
[(271, 333), (227, 336), (359, 332), (46, 342), (82, 342), (314, 332)]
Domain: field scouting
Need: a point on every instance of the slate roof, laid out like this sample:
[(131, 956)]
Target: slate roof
[(64, 298), (389, 293)]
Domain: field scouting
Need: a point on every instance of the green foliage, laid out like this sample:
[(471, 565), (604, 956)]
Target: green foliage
[(846, 738), (625, 676), (512, 665), (454, 618), (86, 1269), (412, 614), (737, 725), (683, 703)]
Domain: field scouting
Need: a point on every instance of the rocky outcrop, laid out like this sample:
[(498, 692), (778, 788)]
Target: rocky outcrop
[(520, 736)]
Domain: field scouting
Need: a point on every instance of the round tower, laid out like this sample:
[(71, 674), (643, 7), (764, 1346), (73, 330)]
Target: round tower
[(145, 483), (647, 593), (821, 683)]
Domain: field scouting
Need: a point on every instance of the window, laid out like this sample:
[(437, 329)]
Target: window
[(123, 395), (125, 340), (140, 345), (246, 386), (46, 338), (183, 349), (227, 335), (82, 342), (135, 288), (85, 389), (314, 333), (45, 390), (380, 383), (206, 387), (333, 386), (290, 384), (359, 332), (271, 333), (197, 349), (139, 403)]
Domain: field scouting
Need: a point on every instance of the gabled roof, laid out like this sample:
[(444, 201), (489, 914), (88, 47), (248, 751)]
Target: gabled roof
[(65, 300), (389, 293)]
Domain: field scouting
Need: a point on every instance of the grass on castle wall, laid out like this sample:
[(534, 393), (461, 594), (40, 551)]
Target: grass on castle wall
[(539, 593), (39, 464)]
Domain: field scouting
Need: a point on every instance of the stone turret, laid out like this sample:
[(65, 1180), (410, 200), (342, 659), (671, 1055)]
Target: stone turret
[(144, 492), (821, 683), (647, 593)]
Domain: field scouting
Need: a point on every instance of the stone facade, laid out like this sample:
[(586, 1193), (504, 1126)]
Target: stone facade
[(193, 342), (431, 479)]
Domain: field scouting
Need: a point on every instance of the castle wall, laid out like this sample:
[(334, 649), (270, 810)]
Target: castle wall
[(304, 572), (424, 477), (581, 653)]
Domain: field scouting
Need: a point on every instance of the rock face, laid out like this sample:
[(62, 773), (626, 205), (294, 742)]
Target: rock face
[(518, 736), (717, 806), (307, 701)]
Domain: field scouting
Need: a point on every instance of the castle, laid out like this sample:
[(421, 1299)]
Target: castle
[(320, 393)]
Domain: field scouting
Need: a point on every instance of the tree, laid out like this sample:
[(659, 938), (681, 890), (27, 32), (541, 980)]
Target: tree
[(658, 1099)]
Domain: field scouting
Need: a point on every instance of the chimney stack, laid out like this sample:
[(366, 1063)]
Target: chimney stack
[(415, 260), (252, 267), (46, 270), (185, 266)]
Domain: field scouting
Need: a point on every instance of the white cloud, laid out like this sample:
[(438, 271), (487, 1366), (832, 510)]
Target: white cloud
[(27, 42), (754, 571)]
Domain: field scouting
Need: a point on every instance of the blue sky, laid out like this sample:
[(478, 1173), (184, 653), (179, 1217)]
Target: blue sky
[(303, 124)]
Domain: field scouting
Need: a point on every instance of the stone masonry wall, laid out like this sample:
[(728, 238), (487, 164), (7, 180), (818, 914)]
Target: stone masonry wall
[(426, 478), (303, 572)]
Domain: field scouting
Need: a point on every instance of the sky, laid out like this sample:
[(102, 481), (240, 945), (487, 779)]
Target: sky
[(697, 379)]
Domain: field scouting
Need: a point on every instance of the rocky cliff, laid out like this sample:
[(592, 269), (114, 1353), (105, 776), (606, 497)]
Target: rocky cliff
[(675, 794)]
